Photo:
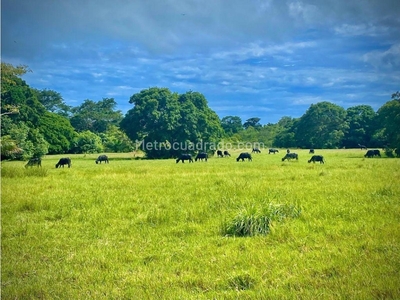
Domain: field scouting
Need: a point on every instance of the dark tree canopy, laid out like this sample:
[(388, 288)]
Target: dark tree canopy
[(57, 131), (232, 124), (322, 126), (53, 102), (389, 121), (170, 122), (252, 122), (95, 116), (360, 119)]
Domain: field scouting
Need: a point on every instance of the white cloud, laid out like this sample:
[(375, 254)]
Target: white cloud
[(388, 59)]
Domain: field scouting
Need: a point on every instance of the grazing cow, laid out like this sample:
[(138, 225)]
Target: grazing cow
[(311, 151), (273, 151), (256, 150), (226, 153), (184, 157), (201, 156), (372, 153), (102, 158), (397, 151), (244, 155), (219, 153), (64, 161), (34, 161), (362, 147), (290, 156), (315, 158)]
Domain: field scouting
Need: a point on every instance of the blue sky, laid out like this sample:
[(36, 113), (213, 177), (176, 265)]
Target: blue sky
[(249, 58)]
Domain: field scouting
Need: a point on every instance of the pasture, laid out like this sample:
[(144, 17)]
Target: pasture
[(154, 229)]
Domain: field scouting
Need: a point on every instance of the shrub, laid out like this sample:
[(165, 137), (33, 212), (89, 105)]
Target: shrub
[(241, 282), (257, 221)]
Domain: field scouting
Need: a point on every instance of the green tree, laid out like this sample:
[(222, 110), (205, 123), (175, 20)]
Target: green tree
[(231, 124), (58, 132), (322, 126), (17, 97), (95, 116), (389, 121), (53, 102), (169, 123), (361, 120), (252, 122), (285, 136), (87, 142), (9, 148), (115, 140)]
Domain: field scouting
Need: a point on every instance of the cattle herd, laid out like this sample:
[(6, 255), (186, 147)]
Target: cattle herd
[(203, 156)]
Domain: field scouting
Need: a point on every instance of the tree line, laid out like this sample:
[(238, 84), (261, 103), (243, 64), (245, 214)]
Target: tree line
[(38, 122)]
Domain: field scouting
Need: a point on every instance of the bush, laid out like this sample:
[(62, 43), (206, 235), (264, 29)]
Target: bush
[(257, 221)]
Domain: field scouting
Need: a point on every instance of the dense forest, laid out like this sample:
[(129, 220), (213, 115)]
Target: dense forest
[(38, 122)]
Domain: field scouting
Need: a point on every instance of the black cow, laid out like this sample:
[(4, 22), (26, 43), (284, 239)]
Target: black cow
[(226, 153), (256, 150), (184, 157), (220, 154), (102, 158), (372, 153), (201, 156), (273, 151), (34, 161), (311, 151), (290, 156), (315, 158), (64, 161), (362, 147), (244, 155)]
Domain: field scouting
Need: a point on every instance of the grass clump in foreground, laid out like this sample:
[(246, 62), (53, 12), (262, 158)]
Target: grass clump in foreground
[(254, 220)]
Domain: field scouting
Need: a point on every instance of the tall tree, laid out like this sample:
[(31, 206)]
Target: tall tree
[(361, 126), (252, 122), (95, 116), (322, 126), (58, 132), (53, 102), (389, 121), (169, 122), (285, 137), (231, 124)]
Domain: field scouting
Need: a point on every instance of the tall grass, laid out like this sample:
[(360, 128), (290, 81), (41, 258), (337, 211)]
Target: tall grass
[(154, 229)]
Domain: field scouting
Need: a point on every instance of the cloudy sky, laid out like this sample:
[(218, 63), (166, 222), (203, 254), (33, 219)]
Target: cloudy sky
[(249, 58)]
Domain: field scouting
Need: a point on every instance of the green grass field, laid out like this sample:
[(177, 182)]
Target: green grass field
[(154, 229)]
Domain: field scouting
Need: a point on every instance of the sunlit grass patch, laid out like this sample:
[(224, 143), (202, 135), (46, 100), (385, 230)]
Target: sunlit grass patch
[(23, 172)]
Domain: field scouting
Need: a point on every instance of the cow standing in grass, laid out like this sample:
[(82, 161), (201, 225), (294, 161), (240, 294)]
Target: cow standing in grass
[(243, 156), (220, 154), (226, 153), (273, 151), (256, 150), (311, 151), (184, 157), (315, 158), (372, 153), (290, 156), (34, 161), (63, 161), (201, 156), (102, 158)]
